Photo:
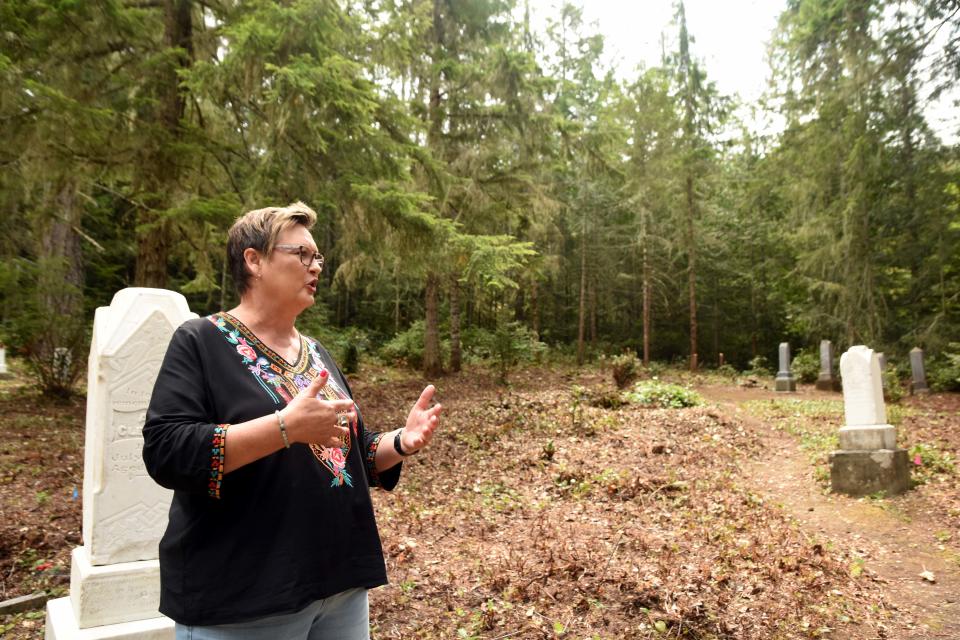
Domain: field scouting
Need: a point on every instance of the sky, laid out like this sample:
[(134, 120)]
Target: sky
[(730, 39), (730, 36)]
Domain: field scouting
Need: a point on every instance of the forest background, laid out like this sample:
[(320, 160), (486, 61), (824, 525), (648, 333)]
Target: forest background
[(484, 192)]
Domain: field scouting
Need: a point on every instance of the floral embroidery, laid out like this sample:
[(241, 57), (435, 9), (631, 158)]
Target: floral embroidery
[(371, 460), (218, 452), (249, 355), (285, 382), (334, 459)]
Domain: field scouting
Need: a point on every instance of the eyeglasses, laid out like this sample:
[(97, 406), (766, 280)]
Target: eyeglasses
[(307, 255)]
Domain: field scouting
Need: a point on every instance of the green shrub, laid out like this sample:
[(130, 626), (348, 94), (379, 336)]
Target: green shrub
[(514, 343), (728, 371), (943, 373), (624, 368), (806, 367), (43, 321), (406, 348), (892, 387), (476, 344), (662, 394), (510, 344), (759, 366), (654, 368)]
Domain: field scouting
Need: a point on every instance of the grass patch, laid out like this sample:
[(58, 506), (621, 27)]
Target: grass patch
[(663, 394)]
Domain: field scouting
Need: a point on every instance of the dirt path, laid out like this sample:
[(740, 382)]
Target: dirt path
[(893, 536)]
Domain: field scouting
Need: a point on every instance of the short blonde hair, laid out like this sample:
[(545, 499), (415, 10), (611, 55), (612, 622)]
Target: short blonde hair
[(259, 229)]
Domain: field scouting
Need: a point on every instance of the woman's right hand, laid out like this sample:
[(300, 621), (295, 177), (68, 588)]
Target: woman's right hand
[(315, 421)]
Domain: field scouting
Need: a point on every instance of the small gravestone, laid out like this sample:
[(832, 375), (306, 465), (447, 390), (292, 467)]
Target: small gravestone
[(3, 363), (720, 360), (868, 460), (827, 381), (115, 575), (785, 380), (882, 360), (918, 382)]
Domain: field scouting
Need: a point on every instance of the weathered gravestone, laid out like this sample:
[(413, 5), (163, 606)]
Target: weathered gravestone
[(868, 460), (827, 381), (115, 575), (882, 359), (785, 380), (918, 382)]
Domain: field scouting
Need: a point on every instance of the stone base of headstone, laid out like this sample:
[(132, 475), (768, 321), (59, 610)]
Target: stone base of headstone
[(61, 624), (113, 593), (111, 601), (860, 438), (785, 383), (861, 473), (828, 383), (918, 390)]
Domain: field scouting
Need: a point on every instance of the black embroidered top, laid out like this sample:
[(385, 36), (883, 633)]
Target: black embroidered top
[(276, 534)]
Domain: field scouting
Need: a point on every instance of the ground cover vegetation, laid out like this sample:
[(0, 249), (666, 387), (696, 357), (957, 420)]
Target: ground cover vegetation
[(547, 511), (479, 180), (497, 199)]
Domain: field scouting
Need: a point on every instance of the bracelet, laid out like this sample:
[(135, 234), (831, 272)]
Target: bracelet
[(283, 429), (399, 449)]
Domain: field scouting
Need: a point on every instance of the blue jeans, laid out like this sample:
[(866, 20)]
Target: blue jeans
[(344, 616)]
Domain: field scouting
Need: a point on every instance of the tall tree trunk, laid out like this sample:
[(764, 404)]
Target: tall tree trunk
[(160, 166), (646, 299), (583, 299), (55, 348), (535, 308), (432, 365), (432, 362), (61, 243), (716, 317), (593, 313), (692, 273), (455, 324), (396, 299)]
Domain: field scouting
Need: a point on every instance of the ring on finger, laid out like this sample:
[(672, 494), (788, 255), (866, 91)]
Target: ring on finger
[(342, 421)]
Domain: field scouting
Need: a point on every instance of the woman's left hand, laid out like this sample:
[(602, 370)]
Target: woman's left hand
[(421, 423)]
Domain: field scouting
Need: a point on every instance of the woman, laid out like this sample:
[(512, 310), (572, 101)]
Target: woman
[(271, 531)]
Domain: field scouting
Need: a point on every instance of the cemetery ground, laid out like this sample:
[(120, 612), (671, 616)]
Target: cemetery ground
[(552, 509)]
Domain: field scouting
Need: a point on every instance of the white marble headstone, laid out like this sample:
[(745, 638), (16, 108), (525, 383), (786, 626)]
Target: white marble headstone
[(124, 510), (862, 388), (3, 361)]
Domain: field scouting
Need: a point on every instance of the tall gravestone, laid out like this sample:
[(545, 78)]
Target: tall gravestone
[(785, 380), (115, 575), (827, 381), (868, 460), (918, 382)]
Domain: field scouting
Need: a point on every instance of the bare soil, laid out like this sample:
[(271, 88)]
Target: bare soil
[(548, 510)]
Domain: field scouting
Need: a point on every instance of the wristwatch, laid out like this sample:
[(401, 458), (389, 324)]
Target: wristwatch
[(399, 449)]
